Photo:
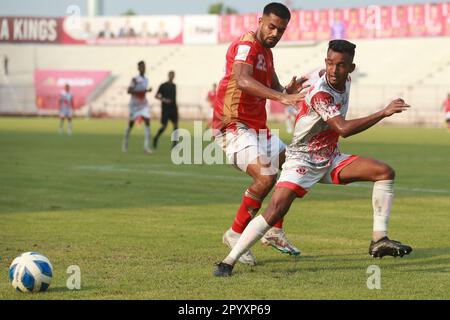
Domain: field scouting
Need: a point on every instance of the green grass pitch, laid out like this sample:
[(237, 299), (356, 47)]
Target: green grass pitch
[(140, 227)]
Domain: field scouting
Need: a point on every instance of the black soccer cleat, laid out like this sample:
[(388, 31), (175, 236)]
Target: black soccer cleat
[(388, 247), (223, 269)]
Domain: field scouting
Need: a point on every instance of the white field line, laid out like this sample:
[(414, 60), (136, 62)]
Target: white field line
[(114, 168)]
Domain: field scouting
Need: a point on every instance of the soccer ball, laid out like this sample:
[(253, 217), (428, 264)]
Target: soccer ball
[(31, 272)]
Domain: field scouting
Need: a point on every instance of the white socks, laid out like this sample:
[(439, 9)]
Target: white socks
[(69, 127), (252, 233), (382, 197)]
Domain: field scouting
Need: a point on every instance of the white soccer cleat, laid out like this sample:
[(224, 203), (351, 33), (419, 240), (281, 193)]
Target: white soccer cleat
[(276, 238), (125, 147), (230, 238), (148, 150)]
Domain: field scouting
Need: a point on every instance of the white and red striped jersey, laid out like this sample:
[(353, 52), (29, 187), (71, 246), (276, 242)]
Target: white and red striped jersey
[(139, 100), (314, 142), (65, 100)]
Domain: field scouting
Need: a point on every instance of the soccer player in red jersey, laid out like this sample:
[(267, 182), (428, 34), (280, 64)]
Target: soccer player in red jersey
[(240, 120), (446, 108), (314, 157)]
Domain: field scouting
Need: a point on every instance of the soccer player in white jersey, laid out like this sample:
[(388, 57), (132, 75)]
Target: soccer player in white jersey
[(65, 109), (314, 156), (291, 112), (139, 107)]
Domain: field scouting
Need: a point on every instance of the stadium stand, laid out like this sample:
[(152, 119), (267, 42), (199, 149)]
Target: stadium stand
[(417, 69)]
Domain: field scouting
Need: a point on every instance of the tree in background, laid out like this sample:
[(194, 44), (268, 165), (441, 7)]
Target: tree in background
[(129, 12), (219, 8)]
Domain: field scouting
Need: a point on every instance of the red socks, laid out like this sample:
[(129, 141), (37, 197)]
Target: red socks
[(279, 224), (248, 209)]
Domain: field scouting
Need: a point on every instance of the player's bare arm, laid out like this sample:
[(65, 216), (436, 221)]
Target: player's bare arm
[(276, 82), (243, 73), (347, 128)]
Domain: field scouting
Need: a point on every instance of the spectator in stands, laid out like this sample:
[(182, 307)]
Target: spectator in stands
[(144, 33), (106, 33), (167, 93), (127, 31), (338, 27), (88, 34), (162, 33), (446, 108), (211, 98)]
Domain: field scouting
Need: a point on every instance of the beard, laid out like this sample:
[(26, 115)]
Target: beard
[(270, 44)]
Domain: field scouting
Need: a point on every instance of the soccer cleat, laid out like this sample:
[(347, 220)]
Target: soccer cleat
[(148, 150), (125, 147), (230, 238), (276, 238), (223, 269), (388, 247)]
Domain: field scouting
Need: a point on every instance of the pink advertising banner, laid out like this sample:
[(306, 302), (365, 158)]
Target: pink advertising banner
[(50, 83), (419, 20), (415, 20)]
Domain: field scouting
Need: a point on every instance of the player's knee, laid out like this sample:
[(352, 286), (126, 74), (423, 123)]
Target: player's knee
[(266, 182), (385, 172)]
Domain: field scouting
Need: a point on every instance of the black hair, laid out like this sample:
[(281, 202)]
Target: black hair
[(141, 62), (278, 9), (342, 46)]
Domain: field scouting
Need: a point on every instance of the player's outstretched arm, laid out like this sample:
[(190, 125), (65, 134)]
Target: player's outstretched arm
[(243, 74), (347, 128), (296, 85)]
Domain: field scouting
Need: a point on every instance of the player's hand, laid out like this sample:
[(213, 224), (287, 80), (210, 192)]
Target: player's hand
[(293, 99), (296, 85), (149, 90), (396, 106)]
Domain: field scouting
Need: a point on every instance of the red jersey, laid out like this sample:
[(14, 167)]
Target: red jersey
[(234, 105), (212, 97), (446, 105)]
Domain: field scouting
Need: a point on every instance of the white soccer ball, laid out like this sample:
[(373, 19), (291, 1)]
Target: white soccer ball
[(31, 272)]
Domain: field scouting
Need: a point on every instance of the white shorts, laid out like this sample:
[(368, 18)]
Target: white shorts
[(143, 112), (300, 178), (244, 145), (65, 113)]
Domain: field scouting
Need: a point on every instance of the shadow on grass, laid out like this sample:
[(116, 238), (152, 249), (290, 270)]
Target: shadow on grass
[(65, 289), (436, 258)]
